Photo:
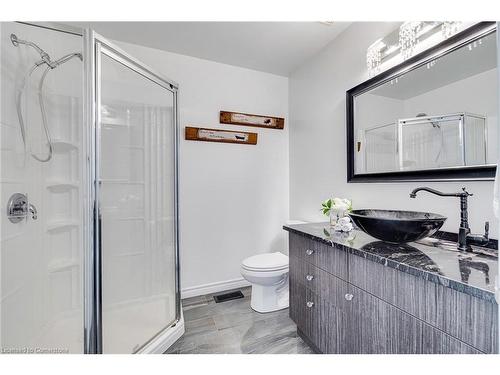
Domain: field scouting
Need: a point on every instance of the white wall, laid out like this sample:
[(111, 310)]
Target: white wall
[(318, 141), (233, 198)]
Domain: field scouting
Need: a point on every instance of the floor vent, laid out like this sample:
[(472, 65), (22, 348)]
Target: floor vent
[(228, 296)]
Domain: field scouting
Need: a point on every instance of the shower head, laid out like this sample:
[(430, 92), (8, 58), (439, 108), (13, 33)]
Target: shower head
[(44, 55), (433, 123)]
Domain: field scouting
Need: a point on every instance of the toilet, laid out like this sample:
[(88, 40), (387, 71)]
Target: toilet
[(268, 274)]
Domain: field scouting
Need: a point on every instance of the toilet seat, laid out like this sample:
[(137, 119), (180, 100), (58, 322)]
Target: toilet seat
[(266, 262), (268, 274)]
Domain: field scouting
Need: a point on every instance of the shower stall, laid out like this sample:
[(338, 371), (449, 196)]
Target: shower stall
[(89, 213)]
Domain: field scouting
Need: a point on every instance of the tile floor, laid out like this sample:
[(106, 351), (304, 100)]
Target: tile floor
[(233, 327)]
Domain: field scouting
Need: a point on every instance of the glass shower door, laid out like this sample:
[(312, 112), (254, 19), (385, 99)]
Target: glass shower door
[(136, 196)]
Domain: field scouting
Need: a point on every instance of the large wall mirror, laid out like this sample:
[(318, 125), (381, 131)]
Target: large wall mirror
[(432, 117)]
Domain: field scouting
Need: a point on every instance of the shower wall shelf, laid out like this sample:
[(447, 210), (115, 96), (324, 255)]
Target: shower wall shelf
[(117, 124), (62, 186), (133, 147), (12, 236), (62, 225), (10, 181), (62, 265), (128, 254), (127, 182), (60, 145), (131, 218)]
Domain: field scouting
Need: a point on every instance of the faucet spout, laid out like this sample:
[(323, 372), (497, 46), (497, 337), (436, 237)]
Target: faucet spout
[(464, 230), (463, 193)]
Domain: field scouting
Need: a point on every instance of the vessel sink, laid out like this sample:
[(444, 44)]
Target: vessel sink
[(397, 226)]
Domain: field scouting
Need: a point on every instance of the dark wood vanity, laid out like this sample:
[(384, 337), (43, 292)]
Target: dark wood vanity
[(352, 294)]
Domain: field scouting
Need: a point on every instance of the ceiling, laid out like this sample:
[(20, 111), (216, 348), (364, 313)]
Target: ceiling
[(273, 47)]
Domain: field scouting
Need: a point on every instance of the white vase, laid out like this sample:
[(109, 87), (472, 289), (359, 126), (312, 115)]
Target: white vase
[(334, 217)]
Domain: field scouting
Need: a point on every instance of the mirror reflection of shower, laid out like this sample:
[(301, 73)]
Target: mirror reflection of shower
[(436, 126), (49, 64)]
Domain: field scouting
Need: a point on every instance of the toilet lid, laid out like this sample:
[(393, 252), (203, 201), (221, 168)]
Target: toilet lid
[(271, 261)]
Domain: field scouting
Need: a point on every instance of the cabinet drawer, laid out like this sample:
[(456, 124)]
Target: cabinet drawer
[(467, 318), (327, 257), (320, 282)]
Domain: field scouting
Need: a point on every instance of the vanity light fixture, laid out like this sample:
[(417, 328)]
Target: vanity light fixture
[(408, 37), (412, 37), (374, 57), (450, 28)]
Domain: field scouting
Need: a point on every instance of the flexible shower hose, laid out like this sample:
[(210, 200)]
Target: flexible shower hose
[(42, 110)]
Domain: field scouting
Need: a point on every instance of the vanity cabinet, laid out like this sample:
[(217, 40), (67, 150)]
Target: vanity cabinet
[(472, 320), (344, 303)]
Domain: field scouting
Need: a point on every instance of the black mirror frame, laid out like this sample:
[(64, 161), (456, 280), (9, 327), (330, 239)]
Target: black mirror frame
[(472, 173)]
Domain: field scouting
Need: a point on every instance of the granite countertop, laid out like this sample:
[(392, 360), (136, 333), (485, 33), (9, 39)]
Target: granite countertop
[(432, 258)]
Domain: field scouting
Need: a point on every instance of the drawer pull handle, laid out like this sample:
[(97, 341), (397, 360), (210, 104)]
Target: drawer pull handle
[(309, 277), (310, 304), (349, 297), (309, 252)]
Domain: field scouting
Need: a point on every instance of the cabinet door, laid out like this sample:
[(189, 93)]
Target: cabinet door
[(306, 311), (323, 324), (436, 341), (463, 316), (376, 327)]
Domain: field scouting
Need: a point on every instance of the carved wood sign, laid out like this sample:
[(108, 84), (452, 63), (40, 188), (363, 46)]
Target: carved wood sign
[(246, 119), (218, 135)]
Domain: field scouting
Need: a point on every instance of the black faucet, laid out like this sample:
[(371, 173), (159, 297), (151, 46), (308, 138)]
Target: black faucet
[(464, 235)]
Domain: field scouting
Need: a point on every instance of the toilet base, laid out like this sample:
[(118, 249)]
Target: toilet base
[(269, 298)]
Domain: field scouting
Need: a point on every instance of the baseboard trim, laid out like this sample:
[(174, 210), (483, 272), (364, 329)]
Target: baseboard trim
[(219, 286)]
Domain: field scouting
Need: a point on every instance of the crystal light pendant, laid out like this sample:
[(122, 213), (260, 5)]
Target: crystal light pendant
[(374, 57), (449, 28), (408, 37)]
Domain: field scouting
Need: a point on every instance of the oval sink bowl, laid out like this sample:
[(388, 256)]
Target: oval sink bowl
[(397, 226)]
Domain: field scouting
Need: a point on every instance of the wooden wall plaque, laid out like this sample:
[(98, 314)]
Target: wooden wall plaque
[(220, 135), (247, 119)]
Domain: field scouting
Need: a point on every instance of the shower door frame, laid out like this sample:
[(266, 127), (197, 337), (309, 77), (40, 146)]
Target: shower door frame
[(94, 47)]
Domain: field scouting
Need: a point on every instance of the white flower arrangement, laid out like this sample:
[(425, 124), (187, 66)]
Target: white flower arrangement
[(343, 224), (336, 208)]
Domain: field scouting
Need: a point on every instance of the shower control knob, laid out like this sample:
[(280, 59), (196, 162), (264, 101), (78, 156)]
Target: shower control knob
[(309, 252), (310, 304), (309, 277), (349, 296)]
